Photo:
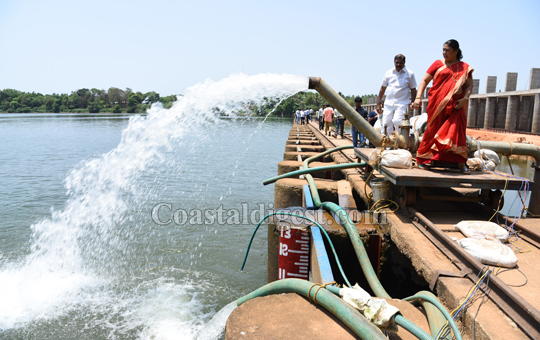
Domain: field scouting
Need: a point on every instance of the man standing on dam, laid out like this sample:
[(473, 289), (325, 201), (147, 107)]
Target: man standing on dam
[(397, 81)]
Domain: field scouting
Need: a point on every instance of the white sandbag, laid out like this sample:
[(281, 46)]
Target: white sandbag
[(483, 230), (488, 252), (475, 164), (418, 121), (376, 310), (397, 159), (488, 155), (479, 164), (374, 157)]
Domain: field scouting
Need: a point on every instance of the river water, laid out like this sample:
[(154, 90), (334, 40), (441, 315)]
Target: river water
[(135, 227), (118, 227)]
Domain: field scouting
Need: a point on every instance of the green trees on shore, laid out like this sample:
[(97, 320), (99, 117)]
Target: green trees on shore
[(82, 101), (116, 100)]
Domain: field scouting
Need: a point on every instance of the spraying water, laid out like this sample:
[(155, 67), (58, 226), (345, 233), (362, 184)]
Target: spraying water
[(83, 262)]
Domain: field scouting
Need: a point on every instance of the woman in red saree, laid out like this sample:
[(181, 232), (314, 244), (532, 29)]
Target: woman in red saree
[(445, 137)]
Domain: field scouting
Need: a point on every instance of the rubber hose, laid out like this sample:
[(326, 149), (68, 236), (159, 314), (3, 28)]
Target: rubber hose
[(436, 303), (412, 328), (316, 169), (435, 317), (342, 310), (399, 320)]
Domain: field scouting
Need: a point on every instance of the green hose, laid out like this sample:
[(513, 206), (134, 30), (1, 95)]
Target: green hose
[(412, 328), (348, 224), (436, 318), (436, 303), (306, 218), (398, 319), (316, 169), (342, 310)]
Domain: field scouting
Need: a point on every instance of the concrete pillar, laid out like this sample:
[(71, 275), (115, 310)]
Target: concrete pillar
[(511, 111), (491, 85), (511, 81), (481, 113), (476, 86), (536, 115), (489, 118), (534, 81), (471, 113), (525, 114), (427, 92), (424, 106), (500, 112)]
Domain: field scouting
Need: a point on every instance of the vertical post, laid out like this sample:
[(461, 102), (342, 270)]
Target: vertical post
[(524, 120), (536, 116), (511, 112), (489, 118), (424, 106), (476, 86), (481, 113), (472, 112), (534, 81), (511, 81), (491, 85)]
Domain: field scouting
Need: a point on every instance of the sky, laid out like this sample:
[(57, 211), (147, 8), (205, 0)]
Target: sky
[(59, 46)]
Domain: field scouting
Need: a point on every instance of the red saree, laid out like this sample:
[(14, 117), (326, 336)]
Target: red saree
[(445, 137)]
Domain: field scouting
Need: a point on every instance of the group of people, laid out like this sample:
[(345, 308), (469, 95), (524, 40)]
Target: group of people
[(444, 139), (304, 116)]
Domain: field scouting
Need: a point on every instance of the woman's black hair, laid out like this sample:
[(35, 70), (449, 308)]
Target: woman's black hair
[(455, 46)]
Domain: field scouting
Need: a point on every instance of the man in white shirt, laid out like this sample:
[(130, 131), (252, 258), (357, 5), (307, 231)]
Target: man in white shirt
[(320, 117), (297, 117), (340, 122), (397, 81)]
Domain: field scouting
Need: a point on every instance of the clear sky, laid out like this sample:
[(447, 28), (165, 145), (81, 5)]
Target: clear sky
[(58, 46)]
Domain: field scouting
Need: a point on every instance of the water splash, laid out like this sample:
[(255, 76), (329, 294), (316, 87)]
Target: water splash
[(80, 252)]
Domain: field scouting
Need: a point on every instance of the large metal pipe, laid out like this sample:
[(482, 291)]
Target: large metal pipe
[(316, 83)]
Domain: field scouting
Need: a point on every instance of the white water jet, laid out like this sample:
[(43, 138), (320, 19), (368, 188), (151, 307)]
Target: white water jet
[(81, 249)]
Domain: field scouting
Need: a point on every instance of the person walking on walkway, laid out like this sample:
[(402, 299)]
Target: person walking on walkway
[(328, 117), (302, 117), (357, 136), (396, 84), (320, 117), (297, 117), (340, 122), (445, 137)]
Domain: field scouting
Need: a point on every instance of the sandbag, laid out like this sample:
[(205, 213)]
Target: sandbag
[(397, 159), (376, 310), (417, 122), (488, 155), (483, 230), (489, 252), (479, 164), (475, 164)]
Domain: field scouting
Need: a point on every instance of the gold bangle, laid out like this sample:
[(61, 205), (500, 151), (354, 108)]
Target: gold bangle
[(417, 98)]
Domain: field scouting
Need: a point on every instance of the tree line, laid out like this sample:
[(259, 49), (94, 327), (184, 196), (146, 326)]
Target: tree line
[(116, 100), (113, 100)]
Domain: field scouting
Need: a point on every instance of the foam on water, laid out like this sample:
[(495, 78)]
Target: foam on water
[(80, 251)]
